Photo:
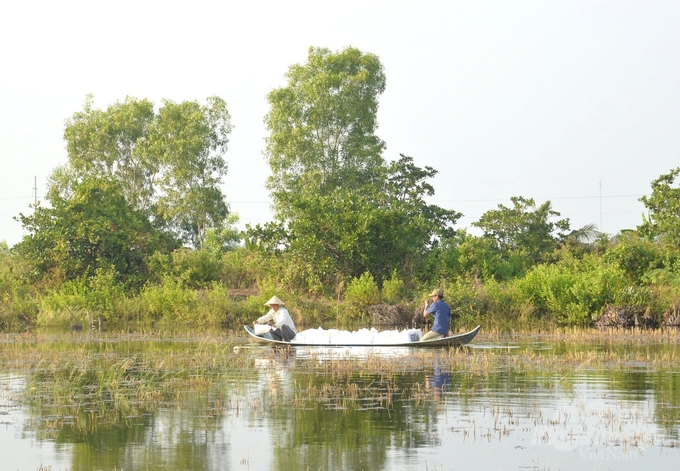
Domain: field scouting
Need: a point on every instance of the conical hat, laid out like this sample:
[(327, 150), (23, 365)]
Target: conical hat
[(274, 300)]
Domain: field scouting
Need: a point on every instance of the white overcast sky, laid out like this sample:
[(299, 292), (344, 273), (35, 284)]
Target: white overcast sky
[(577, 102)]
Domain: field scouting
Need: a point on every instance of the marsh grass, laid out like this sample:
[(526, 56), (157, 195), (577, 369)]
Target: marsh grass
[(89, 381), (82, 384)]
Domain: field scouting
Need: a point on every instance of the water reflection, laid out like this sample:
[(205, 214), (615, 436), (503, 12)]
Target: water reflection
[(438, 382), (186, 406)]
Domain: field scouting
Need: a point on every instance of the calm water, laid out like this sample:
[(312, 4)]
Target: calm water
[(180, 404)]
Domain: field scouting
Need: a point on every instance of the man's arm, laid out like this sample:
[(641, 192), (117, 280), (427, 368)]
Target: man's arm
[(264, 319), (426, 310)]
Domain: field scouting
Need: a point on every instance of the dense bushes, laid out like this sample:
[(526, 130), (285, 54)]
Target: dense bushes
[(18, 306), (574, 291), (204, 288)]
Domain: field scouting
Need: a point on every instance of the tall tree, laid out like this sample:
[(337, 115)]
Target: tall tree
[(190, 141), (112, 143), (663, 207), (169, 163), (322, 126), (524, 230), (341, 209), (406, 187)]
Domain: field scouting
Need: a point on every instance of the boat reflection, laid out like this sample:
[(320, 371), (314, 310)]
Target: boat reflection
[(359, 352)]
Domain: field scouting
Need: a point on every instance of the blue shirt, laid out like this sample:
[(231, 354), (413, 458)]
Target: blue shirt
[(442, 316)]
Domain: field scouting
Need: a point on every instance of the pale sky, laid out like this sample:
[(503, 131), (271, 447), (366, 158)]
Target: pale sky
[(577, 102)]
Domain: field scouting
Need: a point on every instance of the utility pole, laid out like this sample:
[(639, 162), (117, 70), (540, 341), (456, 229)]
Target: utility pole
[(35, 190)]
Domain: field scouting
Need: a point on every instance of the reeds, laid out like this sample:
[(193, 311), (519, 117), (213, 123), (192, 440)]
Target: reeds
[(94, 380)]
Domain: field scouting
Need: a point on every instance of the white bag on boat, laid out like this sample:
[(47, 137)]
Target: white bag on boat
[(413, 335), (260, 329)]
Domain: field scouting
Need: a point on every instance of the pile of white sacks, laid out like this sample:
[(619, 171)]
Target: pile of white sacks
[(360, 337)]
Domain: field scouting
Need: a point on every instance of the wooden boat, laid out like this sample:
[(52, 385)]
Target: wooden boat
[(452, 341)]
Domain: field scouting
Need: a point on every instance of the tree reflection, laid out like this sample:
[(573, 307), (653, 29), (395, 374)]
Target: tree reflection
[(169, 409)]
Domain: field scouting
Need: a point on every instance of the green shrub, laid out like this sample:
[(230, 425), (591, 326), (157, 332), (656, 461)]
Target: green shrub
[(393, 290), (192, 268), (103, 291), (172, 304), (216, 308), (83, 299), (360, 293), (631, 295), (241, 268), (574, 291), (18, 304), (635, 256), (169, 301)]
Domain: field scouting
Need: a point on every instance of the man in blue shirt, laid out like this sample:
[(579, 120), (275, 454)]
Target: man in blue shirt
[(442, 316)]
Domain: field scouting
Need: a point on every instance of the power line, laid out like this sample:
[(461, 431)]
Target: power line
[(17, 198), (480, 200), (485, 200)]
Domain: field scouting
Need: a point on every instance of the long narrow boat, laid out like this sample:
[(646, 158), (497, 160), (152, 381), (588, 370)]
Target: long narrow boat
[(451, 341)]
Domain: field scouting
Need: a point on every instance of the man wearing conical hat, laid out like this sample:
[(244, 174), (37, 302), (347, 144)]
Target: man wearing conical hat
[(283, 327)]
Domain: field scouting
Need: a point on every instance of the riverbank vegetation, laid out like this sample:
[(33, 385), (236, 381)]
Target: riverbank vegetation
[(136, 229)]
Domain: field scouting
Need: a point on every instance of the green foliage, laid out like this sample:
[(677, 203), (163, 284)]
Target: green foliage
[(190, 268), (306, 271), (18, 307), (350, 232), (322, 126), (168, 164), (663, 207), (322, 143), (441, 262), (479, 257), (216, 308), (662, 298), (666, 276), (103, 291), (83, 299), (361, 293), (224, 238), (635, 256), (574, 291), (343, 234), (341, 209), (393, 290), (189, 140), (522, 235), (241, 268), (111, 144), (637, 296), (170, 302), (96, 228), (509, 303), (406, 189)]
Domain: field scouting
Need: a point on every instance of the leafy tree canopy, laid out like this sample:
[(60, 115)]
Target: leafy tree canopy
[(524, 228), (169, 163), (322, 126), (95, 228), (663, 206), (342, 210), (113, 143)]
